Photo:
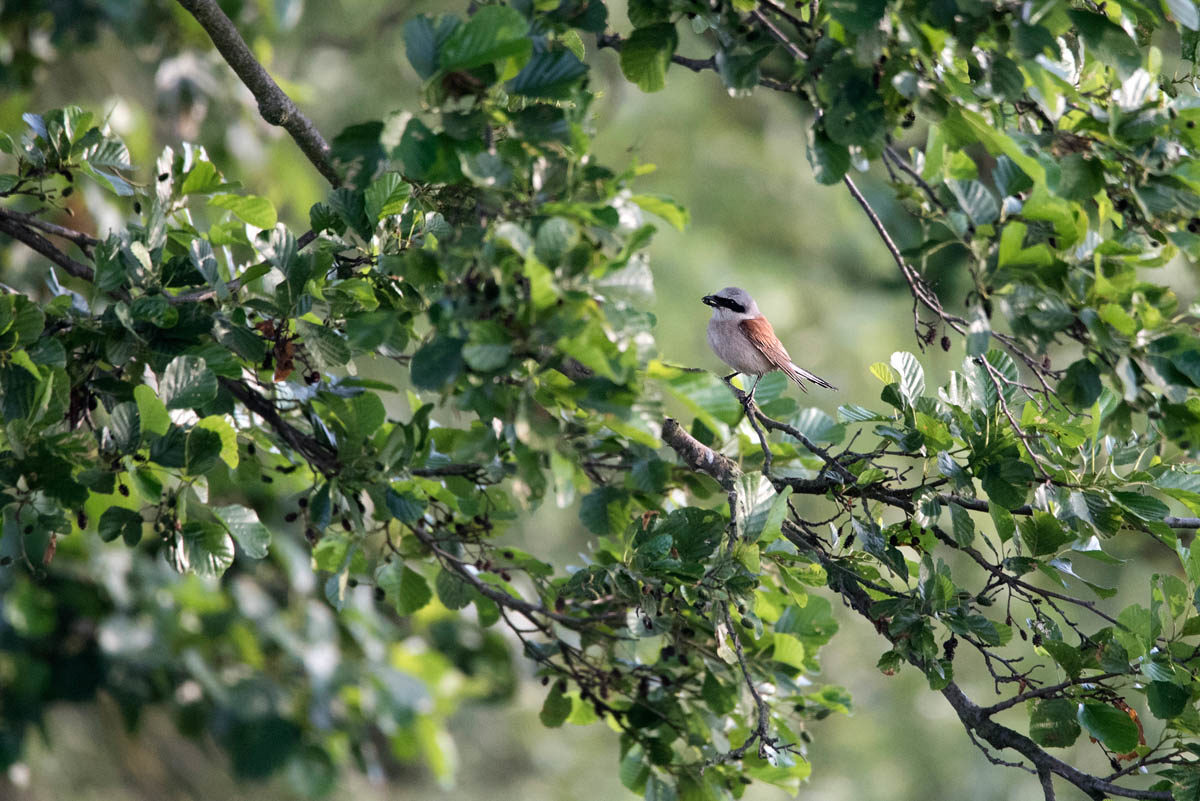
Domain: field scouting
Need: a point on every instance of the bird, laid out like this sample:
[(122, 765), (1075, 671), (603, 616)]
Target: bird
[(744, 339)]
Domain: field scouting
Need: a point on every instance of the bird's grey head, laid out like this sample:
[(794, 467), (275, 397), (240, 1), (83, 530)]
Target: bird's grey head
[(732, 303)]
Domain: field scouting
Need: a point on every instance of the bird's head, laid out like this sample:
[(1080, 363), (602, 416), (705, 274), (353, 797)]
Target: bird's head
[(732, 301)]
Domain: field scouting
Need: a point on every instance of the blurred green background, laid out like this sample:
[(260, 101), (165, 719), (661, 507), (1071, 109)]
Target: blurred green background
[(759, 220)]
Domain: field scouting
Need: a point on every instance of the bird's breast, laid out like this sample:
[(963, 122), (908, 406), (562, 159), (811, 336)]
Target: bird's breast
[(726, 339)]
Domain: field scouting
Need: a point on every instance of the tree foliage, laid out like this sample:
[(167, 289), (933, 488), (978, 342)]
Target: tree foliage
[(168, 383)]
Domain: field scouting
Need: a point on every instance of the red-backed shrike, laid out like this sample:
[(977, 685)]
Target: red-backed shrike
[(743, 339)]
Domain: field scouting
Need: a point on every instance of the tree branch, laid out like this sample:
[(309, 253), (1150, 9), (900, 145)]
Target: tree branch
[(973, 717), (698, 456), (84, 241), (273, 103), (1045, 692), (320, 456), (922, 293), (17, 226)]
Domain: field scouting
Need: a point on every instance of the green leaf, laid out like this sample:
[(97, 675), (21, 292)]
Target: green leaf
[(1068, 658), (423, 37), (187, 383), (828, 159), (202, 548), (151, 410), (252, 209), (1043, 534), (1144, 507), (858, 16), (386, 196), (1053, 724), (765, 522), (406, 588), (495, 32), (202, 179), (489, 348), (788, 650), (1107, 41), (1166, 699), (605, 510), (976, 200), (555, 708), (119, 522), (404, 506), (633, 771), (452, 591), (243, 523), (912, 377), (437, 363), (646, 55), (1110, 726), (1184, 12), (202, 450), (1006, 77), (126, 427), (329, 347), (1081, 385), (962, 525), (549, 74), (664, 207)]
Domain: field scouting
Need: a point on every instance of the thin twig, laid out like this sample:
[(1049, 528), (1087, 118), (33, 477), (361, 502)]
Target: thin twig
[(780, 37), (908, 170), (615, 42)]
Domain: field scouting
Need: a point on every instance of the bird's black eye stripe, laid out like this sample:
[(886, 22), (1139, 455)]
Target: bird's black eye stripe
[(732, 305)]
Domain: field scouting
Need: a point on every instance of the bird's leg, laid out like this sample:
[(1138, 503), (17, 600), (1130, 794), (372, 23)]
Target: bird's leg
[(756, 380)]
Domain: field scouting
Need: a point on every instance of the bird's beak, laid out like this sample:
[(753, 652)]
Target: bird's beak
[(710, 300)]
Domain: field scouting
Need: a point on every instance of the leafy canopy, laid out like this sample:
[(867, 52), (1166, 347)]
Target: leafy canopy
[(218, 390)]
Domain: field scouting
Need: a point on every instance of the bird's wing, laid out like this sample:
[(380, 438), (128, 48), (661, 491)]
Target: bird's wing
[(759, 331)]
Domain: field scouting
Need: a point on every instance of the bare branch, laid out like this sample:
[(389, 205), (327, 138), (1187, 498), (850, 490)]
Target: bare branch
[(84, 241), (16, 226), (322, 458), (273, 103), (699, 456)]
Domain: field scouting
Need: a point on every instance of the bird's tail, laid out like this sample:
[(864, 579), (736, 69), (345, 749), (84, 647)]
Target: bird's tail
[(800, 375)]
